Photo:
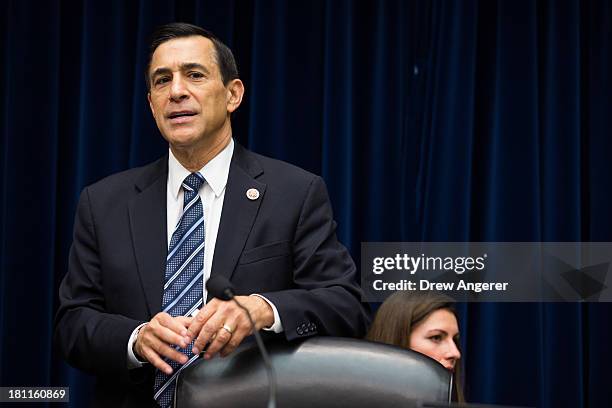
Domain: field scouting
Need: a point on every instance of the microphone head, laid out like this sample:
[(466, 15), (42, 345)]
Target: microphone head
[(220, 287)]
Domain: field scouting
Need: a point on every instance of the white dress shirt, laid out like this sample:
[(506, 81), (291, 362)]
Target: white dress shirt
[(212, 193)]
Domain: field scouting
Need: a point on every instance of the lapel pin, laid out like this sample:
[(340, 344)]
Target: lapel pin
[(252, 194)]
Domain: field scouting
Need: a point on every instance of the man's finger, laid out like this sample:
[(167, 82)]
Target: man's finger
[(169, 337), (241, 330), (156, 348), (155, 331), (172, 330), (184, 320), (156, 339), (233, 343), (201, 319), (221, 339), (153, 358), (173, 323), (209, 331), (170, 352)]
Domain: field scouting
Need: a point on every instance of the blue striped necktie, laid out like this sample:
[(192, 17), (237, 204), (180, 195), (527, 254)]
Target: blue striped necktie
[(184, 278)]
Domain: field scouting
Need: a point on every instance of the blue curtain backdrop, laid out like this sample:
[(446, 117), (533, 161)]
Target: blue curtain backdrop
[(430, 120)]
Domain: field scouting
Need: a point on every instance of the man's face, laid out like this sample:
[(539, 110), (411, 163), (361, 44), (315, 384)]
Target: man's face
[(187, 97)]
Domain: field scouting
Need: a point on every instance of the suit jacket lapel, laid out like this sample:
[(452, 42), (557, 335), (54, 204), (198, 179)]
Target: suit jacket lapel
[(239, 212), (148, 214)]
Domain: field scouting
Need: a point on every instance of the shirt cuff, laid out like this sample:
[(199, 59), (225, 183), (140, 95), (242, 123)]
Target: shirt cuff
[(277, 327), (132, 360)]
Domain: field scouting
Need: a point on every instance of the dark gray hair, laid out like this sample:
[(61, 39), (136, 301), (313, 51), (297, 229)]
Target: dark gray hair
[(224, 56)]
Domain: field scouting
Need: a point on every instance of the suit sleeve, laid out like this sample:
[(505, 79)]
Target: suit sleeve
[(326, 299), (87, 336)]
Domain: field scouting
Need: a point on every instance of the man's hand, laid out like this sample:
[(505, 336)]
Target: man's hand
[(156, 339), (208, 325)]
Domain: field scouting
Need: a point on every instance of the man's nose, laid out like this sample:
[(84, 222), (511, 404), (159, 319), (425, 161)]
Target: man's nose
[(178, 89)]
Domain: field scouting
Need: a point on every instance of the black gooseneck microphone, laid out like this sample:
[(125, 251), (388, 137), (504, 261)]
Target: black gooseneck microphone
[(221, 288)]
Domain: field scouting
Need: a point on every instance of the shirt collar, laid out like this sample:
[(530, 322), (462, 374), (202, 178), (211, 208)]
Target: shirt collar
[(215, 172)]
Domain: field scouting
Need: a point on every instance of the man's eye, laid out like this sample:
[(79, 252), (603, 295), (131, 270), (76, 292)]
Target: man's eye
[(161, 80), (196, 75)]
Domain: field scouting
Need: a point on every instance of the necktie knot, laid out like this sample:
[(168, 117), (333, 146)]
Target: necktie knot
[(193, 182)]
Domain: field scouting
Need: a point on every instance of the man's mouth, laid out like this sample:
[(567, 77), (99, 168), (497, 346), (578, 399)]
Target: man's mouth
[(181, 117), (181, 114)]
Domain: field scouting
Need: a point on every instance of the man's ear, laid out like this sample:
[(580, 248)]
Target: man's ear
[(150, 103), (235, 92)]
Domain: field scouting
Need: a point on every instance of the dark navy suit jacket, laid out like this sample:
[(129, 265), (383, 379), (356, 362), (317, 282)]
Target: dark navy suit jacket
[(282, 245)]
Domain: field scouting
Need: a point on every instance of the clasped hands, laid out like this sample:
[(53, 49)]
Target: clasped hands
[(220, 324)]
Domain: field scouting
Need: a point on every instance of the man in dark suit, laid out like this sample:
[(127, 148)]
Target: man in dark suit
[(133, 307)]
